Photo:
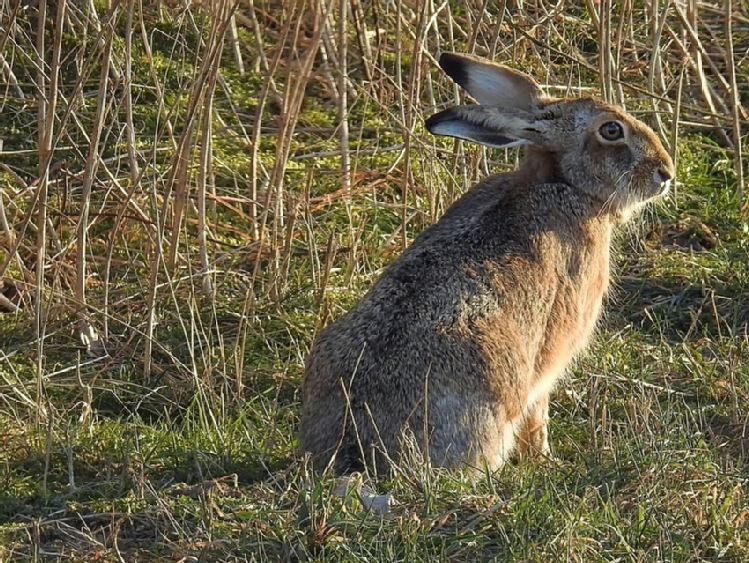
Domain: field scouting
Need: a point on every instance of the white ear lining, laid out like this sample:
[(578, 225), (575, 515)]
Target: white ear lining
[(490, 83), (486, 125), (471, 132), (492, 86)]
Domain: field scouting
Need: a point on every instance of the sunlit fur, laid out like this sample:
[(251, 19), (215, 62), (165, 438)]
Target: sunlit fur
[(451, 356)]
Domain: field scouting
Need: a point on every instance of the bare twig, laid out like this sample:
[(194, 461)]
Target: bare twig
[(735, 105), (92, 162)]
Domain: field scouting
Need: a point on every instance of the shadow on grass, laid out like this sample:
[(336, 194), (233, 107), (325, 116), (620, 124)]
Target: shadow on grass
[(700, 332), (680, 310)]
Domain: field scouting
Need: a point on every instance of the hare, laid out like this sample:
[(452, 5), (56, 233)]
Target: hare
[(455, 349)]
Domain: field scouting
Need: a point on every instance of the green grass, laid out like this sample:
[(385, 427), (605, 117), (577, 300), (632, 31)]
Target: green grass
[(649, 432)]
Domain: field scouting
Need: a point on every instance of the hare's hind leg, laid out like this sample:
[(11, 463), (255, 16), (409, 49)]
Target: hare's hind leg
[(533, 438), (505, 446)]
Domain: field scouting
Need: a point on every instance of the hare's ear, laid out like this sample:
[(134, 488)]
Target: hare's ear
[(490, 126), (490, 83)]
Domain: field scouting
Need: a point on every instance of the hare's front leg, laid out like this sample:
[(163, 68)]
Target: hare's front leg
[(533, 438)]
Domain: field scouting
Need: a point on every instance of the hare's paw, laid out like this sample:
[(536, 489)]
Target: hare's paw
[(533, 434)]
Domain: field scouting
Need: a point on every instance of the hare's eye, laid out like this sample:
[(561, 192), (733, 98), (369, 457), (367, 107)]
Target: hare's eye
[(612, 131)]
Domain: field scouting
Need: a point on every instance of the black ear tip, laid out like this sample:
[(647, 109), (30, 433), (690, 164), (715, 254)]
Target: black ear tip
[(454, 67), (447, 58), (434, 120)]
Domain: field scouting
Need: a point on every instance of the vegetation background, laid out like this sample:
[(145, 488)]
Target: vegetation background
[(189, 191)]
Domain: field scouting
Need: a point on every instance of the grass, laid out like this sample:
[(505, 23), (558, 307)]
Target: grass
[(149, 370)]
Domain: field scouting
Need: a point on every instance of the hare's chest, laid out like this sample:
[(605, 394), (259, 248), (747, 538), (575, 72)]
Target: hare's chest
[(573, 316), (593, 287), (588, 280)]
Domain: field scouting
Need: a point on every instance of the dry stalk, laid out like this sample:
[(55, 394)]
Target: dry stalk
[(234, 42), (259, 220), (735, 103), (362, 37), (402, 102), (177, 181), (655, 69), (268, 89), (128, 86), (343, 125), (412, 110), (48, 91), (674, 148), (330, 252), (206, 159), (702, 57), (298, 74), (155, 82), (476, 26), (604, 57), (624, 15), (89, 172), (694, 62)]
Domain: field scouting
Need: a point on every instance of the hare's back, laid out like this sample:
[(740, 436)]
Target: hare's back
[(491, 268)]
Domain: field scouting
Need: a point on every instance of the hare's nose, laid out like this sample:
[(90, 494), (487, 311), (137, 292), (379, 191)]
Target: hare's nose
[(662, 179), (665, 174)]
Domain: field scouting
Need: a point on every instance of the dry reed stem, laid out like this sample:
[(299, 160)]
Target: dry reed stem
[(90, 169), (177, 183), (47, 88), (737, 110), (605, 59)]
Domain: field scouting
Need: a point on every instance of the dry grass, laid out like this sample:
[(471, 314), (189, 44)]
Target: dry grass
[(190, 191)]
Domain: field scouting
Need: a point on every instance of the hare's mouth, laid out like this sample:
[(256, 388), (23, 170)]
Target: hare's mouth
[(661, 182), (664, 188), (662, 178)]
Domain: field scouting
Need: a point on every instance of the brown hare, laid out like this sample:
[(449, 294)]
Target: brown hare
[(455, 349)]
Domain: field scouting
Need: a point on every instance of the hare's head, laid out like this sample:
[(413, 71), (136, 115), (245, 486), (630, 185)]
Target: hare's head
[(589, 144)]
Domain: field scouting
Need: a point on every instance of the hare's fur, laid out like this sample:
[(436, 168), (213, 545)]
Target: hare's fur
[(457, 346)]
